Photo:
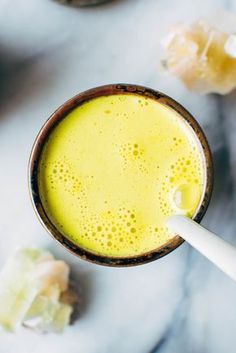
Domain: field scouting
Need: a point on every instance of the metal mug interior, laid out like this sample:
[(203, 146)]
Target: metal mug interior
[(60, 114)]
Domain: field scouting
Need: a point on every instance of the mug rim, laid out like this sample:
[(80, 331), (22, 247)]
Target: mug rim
[(60, 114)]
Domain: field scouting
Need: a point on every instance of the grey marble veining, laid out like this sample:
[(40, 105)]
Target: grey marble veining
[(48, 53)]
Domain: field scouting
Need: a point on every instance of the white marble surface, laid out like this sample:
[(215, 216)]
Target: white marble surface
[(48, 53)]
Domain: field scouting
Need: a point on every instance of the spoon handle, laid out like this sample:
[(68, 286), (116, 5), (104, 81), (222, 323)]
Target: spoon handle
[(217, 250)]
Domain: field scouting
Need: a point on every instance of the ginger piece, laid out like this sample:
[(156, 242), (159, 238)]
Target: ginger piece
[(203, 56), (34, 289)]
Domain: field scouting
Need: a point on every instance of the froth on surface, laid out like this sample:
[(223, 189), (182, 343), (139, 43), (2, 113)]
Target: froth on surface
[(115, 168)]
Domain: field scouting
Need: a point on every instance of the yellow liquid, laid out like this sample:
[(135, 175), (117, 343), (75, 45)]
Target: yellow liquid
[(114, 169)]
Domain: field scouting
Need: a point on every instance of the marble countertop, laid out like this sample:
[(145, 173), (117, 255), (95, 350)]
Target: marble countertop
[(48, 53)]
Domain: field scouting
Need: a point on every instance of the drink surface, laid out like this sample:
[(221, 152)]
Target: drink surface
[(115, 168)]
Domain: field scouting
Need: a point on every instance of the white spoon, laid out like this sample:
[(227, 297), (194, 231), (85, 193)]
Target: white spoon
[(217, 250)]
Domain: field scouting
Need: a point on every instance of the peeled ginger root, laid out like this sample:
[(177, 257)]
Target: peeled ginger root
[(203, 55), (32, 285)]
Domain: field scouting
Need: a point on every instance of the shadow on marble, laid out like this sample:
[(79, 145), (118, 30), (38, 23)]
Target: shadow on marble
[(223, 182), (216, 132), (230, 98), (220, 215), (23, 75), (85, 280)]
